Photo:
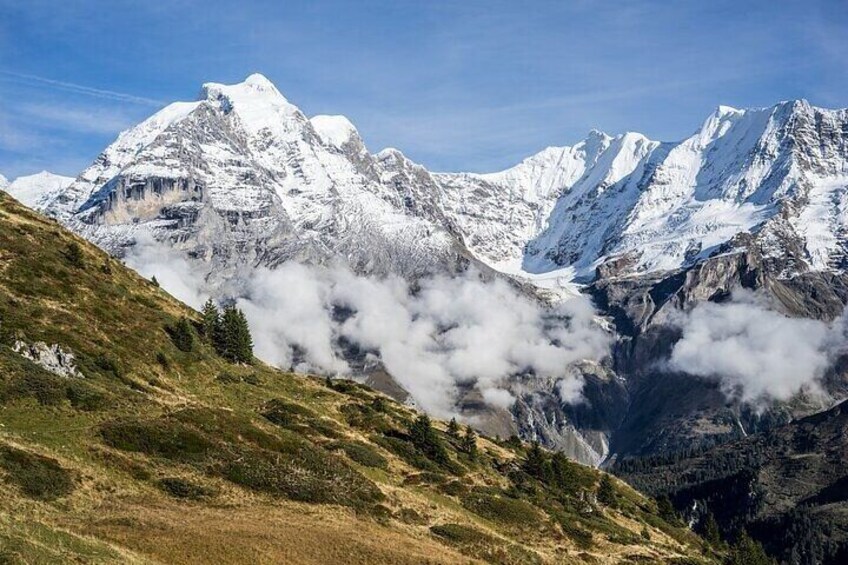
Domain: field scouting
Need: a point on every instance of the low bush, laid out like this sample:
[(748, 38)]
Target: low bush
[(362, 453), (231, 446), (37, 476), (457, 533), (161, 438), (502, 509), (308, 474), (182, 488), (406, 451)]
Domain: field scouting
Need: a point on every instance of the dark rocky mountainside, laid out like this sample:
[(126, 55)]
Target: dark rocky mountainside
[(787, 486)]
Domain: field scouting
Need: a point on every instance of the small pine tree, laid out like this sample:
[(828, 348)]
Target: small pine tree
[(534, 465), (210, 322), (747, 551), (711, 531), (74, 255), (244, 341), (182, 335), (514, 442), (469, 443), (233, 340), (155, 281), (606, 492), (666, 510), (453, 429), (564, 473), (424, 437)]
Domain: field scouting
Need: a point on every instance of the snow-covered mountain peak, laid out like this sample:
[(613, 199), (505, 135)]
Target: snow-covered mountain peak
[(334, 130), (248, 166), (35, 190), (256, 101), (390, 154)]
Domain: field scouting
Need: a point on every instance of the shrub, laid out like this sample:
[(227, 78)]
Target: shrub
[(410, 516), (108, 365), (581, 537), (362, 453), (162, 438), (502, 509), (228, 445), (364, 417), (306, 474), (227, 377), (406, 451), (457, 533), (163, 360), (85, 398), (181, 488), (74, 255), (46, 389), (286, 414), (39, 477), (182, 334), (51, 390)]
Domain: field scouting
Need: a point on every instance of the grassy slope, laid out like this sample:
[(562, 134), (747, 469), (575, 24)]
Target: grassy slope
[(158, 455)]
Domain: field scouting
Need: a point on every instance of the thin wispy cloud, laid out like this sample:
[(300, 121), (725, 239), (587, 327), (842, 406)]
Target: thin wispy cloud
[(94, 119), (74, 88)]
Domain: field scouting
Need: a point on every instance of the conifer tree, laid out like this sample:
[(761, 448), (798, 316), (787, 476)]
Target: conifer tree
[(74, 255), (711, 530), (424, 437), (606, 492), (534, 465), (210, 320), (182, 335), (234, 341), (747, 551), (244, 341), (469, 443), (453, 429)]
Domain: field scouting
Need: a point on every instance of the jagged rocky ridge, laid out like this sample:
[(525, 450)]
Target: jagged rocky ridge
[(241, 178)]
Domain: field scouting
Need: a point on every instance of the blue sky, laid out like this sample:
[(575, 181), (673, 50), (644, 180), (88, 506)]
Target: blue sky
[(465, 85)]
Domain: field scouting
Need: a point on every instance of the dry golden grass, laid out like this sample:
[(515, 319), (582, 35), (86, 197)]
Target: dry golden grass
[(278, 533)]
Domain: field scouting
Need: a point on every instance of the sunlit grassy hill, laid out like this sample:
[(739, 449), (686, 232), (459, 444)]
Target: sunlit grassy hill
[(145, 452)]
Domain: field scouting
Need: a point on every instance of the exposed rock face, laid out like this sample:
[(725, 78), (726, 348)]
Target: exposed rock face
[(51, 357)]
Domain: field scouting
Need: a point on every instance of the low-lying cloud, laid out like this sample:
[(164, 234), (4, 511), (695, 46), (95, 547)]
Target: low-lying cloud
[(449, 333), (149, 258), (755, 352), (444, 336)]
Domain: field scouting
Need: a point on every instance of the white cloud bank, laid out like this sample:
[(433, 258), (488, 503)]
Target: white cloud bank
[(447, 333), (756, 353)]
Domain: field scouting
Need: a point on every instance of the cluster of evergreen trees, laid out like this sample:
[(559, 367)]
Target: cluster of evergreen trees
[(228, 332), (556, 470), (467, 442), (424, 436)]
